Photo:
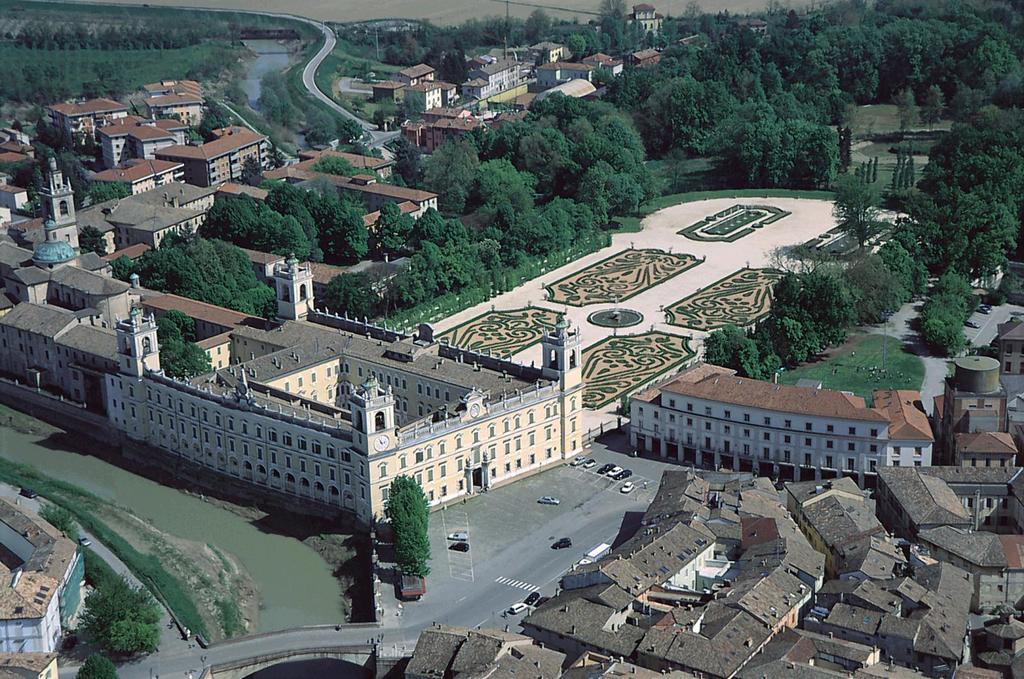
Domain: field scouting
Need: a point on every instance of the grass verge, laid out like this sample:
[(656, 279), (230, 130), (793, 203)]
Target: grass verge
[(145, 567), (857, 366)]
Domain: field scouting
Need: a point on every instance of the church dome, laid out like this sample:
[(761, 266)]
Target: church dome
[(53, 252)]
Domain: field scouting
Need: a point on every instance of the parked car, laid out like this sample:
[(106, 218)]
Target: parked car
[(412, 587), (623, 475), (604, 469), (627, 487), (578, 461), (29, 493), (972, 324), (615, 471), (562, 543), (458, 537), (589, 463), (84, 541), (516, 609), (531, 599), (548, 500), (984, 309), (459, 547)]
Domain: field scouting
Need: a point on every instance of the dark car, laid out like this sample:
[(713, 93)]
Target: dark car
[(29, 493), (623, 475), (531, 599), (604, 469), (562, 543), (459, 547)]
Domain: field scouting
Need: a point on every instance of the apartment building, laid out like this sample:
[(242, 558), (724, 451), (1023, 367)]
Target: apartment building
[(143, 175), (188, 108), (124, 141), (709, 417), (488, 78), (222, 159), (81, 119)]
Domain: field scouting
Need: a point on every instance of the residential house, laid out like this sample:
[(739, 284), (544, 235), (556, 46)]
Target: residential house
[(994, 562), (142, 175), (389, 91), (558, 72), (14, 198), (222, 159), (80, 120), (984, 449), (646, 18), (187, 108), (605, 62), (489, 78), (445, 651), (644, 58), (29, 666), (122, 142), (363, 164), (165, 87), (755, 25), (548, 52), (415, 75), (429, 136), (428, 94)]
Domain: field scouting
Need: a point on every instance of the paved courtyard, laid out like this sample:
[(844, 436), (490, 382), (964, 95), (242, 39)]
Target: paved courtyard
[(653, 272)]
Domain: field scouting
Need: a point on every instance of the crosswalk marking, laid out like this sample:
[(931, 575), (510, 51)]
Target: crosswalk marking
[(517, 583)]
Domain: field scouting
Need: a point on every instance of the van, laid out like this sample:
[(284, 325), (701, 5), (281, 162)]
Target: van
[(597, 551), (516, 609)]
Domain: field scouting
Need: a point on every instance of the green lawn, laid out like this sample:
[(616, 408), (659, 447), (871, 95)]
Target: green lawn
[(857, 366)]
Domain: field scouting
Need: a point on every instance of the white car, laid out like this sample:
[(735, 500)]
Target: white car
[(516, 609), (578, 461), (627, 487), (458, 537), (548, 500), (614, 470)]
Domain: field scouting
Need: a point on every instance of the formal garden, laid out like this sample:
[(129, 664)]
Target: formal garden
[(734, 223), (619, 277), (619, 365), (503, 333), (741, 298)]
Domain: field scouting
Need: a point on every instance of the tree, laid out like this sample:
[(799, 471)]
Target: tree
[(252, 173), (344, 238), (335, 165), (121, 618), (408, 162), (61, 519), (577, 45), (933, 107), (407, 510), (97, 666), (876, 290), (91, 240), (122, 268), (100, 192), (855, 209), (613, 8), (183, 359), (907, 108), (393, 229), (351, 294), (537, 25), (733, 348), (449, 172)]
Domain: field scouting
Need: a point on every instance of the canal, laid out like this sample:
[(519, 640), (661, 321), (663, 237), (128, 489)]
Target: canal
[(296, 586)]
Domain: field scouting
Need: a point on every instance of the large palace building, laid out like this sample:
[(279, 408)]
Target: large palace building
[(332, 409)]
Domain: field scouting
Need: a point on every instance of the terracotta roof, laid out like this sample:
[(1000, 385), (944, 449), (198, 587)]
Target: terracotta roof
[(939, 403), (12, 157), (170, 124), (986, 442), (417, 71), (371, 218), (644, 7), (18, 665), (389, 85), (136, 170), (324, 273), (143, 132), (174, 100), (399, 193), (723, 386), (602, 59), (648, 53), (356, 160), (210, 313), (234, 189), (131, 252), (230, 139), (907, 421), (89, 107), (10, 188), (564, 66), (258, 257)]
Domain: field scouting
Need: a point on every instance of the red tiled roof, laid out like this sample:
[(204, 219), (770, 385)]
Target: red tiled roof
[(131, 252), (210, 313), (174, 100), (417, 71), (89, 107), (907, 422), (389, 85), (259, 257), (234, 189), (985, 442), (357, 161), (565, 66), (371, 218), (137, 170), (142, 132), (230, 139), (12, 157), (11, 188), (170, 124)]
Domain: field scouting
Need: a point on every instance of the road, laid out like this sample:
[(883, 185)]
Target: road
[(505, 563)]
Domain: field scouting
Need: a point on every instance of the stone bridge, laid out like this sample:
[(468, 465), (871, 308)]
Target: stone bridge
[(352, 659)]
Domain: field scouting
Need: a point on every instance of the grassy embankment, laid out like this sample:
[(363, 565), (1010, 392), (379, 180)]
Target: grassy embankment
[(85, 506), (856, 366)]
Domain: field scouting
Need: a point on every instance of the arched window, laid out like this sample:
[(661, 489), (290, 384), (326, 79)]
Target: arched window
[(276, 474), (304, 482), (248, 466), (334, 490), (378, 421), (518, 422), (531, 417), (262, 470), (458, 442), (430, 452), (289, 478), (419, 456), (63, 207), (505, 425), (553, 359), (490, 431), (319, 487), (302, 291), (572, 359), (147, 345)]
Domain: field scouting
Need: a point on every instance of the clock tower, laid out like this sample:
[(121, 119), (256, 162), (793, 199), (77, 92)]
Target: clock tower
[(373, 417)]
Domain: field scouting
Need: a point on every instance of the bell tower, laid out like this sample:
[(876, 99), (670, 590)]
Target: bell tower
[(373, 417), (562, 355), (58, 202), (294, 285), (137, 348)]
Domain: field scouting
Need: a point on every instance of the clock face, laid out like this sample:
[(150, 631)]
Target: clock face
[(474, 410), (382, 443)]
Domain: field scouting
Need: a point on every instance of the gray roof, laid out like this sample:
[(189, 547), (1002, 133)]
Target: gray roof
[(572, 615), (801, 491), (972, 475), (88, 282), (925, 498), (41, 319), (90, 261), (30, 275), (13, 256), (90, 339), (185, 193), (975, 547), (149, 217), (839, 520), (873, 556), (854, 618)]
